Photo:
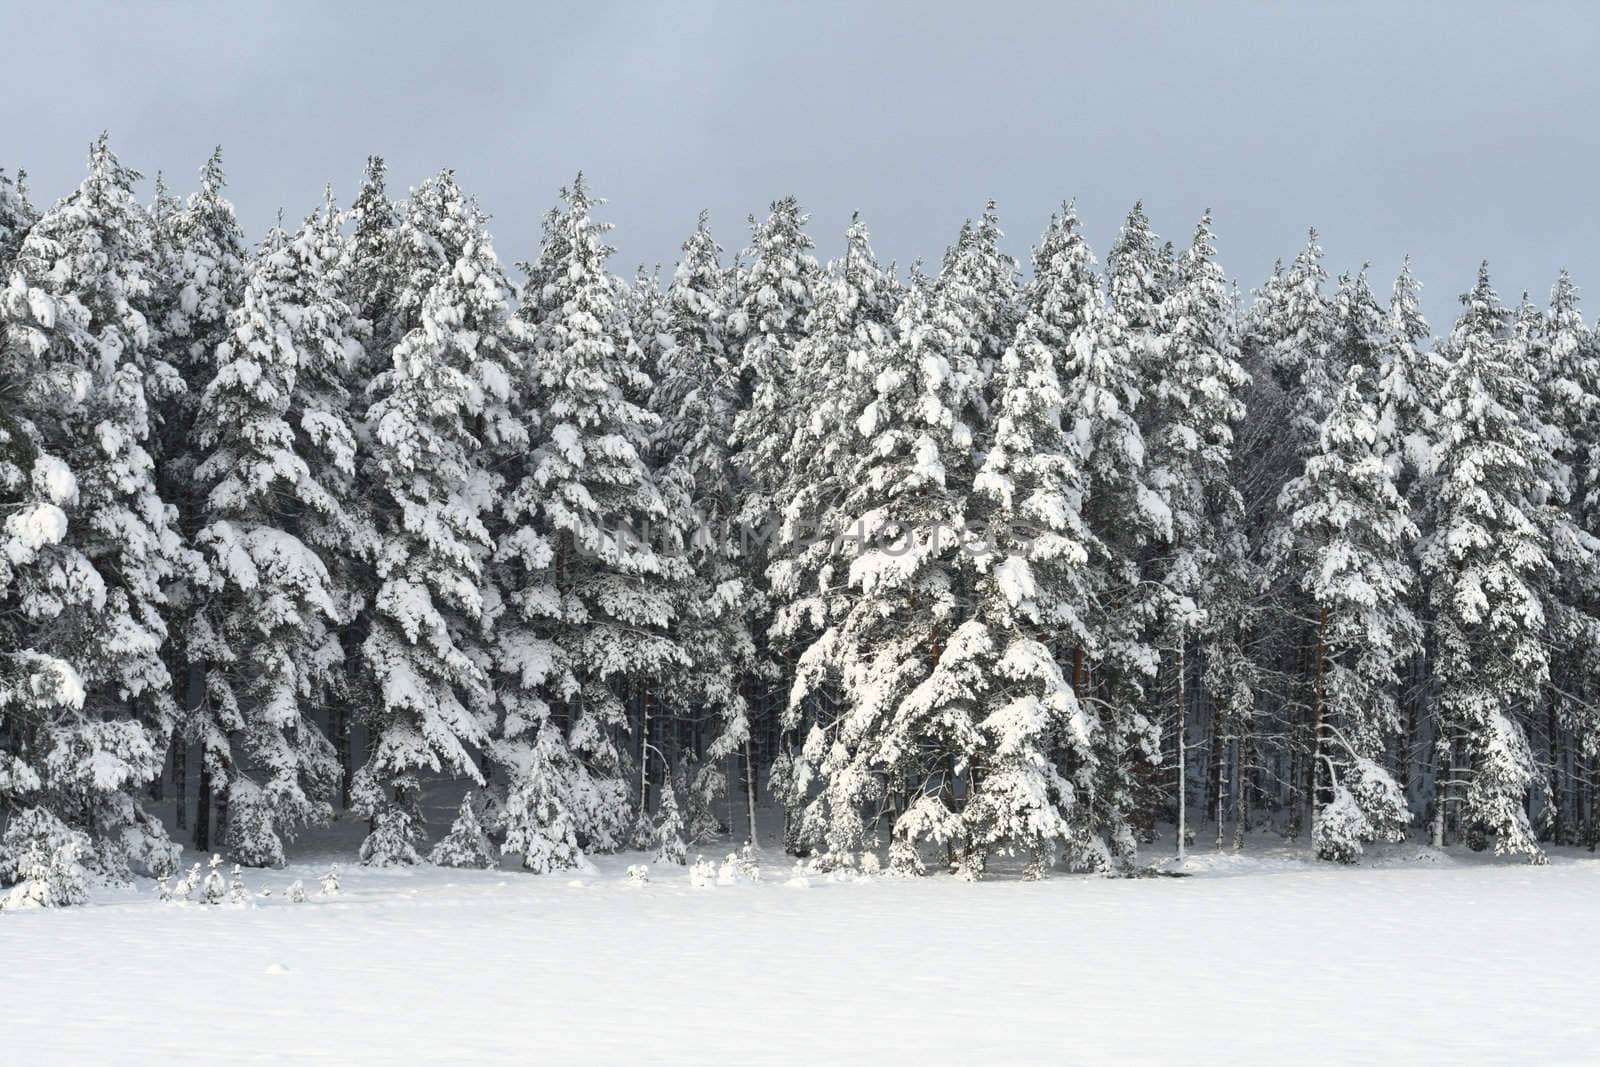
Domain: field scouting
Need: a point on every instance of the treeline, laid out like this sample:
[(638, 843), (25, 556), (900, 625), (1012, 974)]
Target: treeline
[(299, 527)]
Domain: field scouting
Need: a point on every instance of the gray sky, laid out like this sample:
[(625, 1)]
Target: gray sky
[(1452, 131)]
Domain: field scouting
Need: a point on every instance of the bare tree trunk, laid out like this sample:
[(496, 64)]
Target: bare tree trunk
[(644, 751), (750, 791), (194, 698), (1558, 822), (1318, 774), (202, 809), (1219, 760), (341, 748), (180, 777), (1587, 806), (1240, 796), (1183, 821), (1441, 786)]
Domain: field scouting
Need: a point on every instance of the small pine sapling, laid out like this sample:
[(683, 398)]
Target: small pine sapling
[(466, 845), (670, 845), (237, 893), (330, 882), (748, 868), (215, 889), (183, 892)]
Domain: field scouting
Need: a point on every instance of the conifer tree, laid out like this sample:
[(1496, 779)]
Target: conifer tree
[(982, 281), (1347, 537), (604, 595), (851, 337), (670, 845), (16, 217), (1099, 357), (776, 287), (278, 460), (1137, 281), (1488, 560), (696, 398), (434, 413), (1410, 376), (1198, 402), (1035, 589), (466, 845), (909, 693), (74, 315), (201, 261), (377, 270)]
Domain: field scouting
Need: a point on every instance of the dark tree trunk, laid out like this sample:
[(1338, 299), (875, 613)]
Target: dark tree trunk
[(341, 748), (202, 809)]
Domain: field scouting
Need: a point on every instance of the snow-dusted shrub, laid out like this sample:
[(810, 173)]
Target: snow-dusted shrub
[(183, 892), (252, 835), (466, 845), (393, 839), (638, 874), (1367, 806), (41, 858), (237, 893), (702, 873), (330, 882), (214, 890), (297, 892)]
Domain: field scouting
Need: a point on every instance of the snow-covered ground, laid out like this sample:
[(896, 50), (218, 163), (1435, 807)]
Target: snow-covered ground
[(1418, 957)]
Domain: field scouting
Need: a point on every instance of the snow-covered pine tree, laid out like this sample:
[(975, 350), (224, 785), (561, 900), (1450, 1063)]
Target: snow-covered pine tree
[(1410, 376), (851, 338), (696, 398), (377, 269), (1554, 354), (330, 412), (1298, 325), (776, 289), (75, 308), (41, 581), (776, 286), (910, 693), (982, 281), (1035, 768), (434, 413), (599, 597), (466, 845), (1127, 354), (1098, 374), (1360, 329), (1347, 540), (201, 261), (40, 860), (1488, 562), (1137, 281), (1198, 401), (271, 431), (670, 844), (16, 217)]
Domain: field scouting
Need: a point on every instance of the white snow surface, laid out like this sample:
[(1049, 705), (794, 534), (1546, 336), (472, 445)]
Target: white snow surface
[(1416, 957)]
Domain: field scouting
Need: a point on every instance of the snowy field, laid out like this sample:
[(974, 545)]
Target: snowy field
[(1260, 958)]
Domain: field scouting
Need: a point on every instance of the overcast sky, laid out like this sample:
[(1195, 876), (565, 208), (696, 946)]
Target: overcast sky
[(1452, 131)]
